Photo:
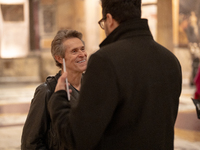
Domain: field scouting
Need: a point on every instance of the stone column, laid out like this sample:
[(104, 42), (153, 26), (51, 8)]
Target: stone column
[(65, 14), (164, 24), (175, 22), (70, 15), (34, 24), (14, 22), (92, 16), (79, 16)]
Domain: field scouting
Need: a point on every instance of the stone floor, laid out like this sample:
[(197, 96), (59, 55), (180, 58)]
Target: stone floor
[(15, 100), (14, 105), (187, 127)]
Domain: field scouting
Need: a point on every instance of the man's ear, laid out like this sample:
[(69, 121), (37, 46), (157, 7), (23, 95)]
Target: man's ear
[(112, 23), (58, 58), (109, 19)]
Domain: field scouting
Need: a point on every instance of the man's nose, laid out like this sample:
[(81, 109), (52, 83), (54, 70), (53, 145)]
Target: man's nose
[(81, 53)]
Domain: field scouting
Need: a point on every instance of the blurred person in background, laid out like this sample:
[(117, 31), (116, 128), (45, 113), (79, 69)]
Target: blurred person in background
[(38, 132), (196, 99), (130, 92)]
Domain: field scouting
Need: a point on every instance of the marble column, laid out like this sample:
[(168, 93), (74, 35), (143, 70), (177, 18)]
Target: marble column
[(79, 13), (164, 25), (93, 31), (175, 22), (65, 14)]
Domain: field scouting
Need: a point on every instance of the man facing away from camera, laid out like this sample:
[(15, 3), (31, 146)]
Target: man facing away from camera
[(130, 92)]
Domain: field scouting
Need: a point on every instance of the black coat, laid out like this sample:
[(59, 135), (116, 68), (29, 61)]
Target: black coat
[(38, 132), (129, 96)]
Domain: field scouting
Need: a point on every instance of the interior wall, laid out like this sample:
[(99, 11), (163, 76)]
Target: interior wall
[(14, 20), (164, 24)]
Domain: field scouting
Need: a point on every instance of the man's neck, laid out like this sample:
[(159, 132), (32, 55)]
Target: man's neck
[(74, 79)]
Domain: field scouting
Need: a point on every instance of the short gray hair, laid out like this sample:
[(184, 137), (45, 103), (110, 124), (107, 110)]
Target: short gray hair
[(57, 47)]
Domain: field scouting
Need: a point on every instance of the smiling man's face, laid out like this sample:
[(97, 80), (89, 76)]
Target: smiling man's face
[(75, 55)]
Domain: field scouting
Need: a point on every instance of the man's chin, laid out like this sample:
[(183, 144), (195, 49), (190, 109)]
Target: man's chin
[(82, 69)]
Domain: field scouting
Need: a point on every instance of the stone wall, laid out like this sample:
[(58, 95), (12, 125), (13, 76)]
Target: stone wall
[(48, 66), (33, 68), (20, 69)]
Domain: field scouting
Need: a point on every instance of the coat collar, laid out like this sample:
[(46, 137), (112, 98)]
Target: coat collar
[(128, 29)]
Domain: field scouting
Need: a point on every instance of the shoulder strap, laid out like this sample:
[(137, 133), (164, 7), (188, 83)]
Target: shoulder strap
[(51, 82)]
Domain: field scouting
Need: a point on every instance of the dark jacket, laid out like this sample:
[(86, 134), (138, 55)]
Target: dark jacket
[(129, 96), (38, 132)]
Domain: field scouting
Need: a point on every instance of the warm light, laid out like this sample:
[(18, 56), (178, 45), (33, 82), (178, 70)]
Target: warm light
[(14, 35), (12, 1), (150, 12), (92, 17), (149, 1), (13, 51)]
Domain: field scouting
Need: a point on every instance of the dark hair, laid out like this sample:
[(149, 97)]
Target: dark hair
[(57, 47), (121, 10)]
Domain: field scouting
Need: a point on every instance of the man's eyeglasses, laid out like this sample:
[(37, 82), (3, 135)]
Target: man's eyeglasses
[(101, 23)]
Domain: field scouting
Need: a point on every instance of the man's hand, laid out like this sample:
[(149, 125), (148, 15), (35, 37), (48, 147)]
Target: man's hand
[(61, 84)]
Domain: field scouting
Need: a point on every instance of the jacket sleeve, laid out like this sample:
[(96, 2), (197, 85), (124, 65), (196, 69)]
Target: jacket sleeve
[(36, 125), (85, 124)]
